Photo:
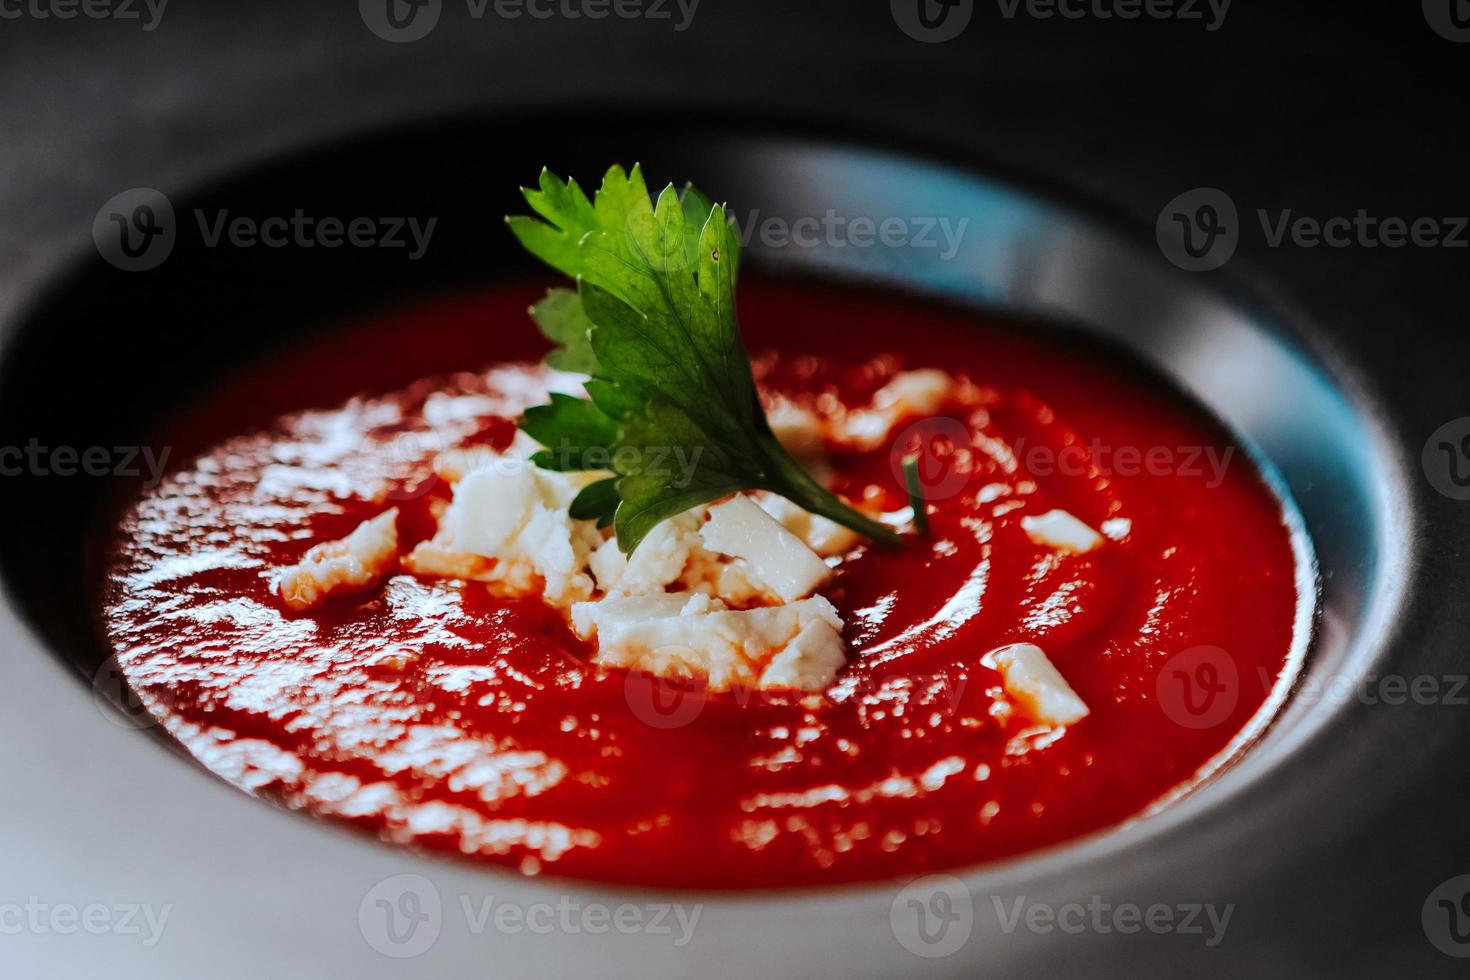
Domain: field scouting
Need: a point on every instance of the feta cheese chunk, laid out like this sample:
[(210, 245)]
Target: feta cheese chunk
[(798, 645), (658, 561), (821, 534), (674, 554), (517, 514), (490, 508), (717, 592), (454, 465), (776, 557), (811, 659), (1059, 529), (1032, 681), (907, 394), (797, 429), (349, 564), (914, 392), (431, 559), (614, 612)]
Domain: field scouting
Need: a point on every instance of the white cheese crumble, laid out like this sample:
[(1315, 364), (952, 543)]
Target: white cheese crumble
[(1032, 680), (723, 591), (1059, 529), (777, 558), (674, 554), (907, 393), (515, 513), (821, 534), (658, 561), (798, 429), (794, 645), (915, 392), (454, 465), (711, 592), (349, 564)]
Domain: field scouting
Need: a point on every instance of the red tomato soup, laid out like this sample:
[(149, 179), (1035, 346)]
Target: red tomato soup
[(441, 714)]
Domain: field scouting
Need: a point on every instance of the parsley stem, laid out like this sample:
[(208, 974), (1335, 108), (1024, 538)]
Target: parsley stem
[(915, 487), (794, 483)]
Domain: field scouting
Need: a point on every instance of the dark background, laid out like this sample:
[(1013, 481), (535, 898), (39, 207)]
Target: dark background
[(1323, 108)]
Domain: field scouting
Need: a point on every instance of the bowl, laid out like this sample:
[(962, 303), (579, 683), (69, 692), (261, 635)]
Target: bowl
[(111, 345)]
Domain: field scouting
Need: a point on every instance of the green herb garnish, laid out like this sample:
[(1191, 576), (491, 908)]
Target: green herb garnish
[(914, 484), (672, 408)]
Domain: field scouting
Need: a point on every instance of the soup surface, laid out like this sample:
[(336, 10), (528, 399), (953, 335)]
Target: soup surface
[(436, 713)]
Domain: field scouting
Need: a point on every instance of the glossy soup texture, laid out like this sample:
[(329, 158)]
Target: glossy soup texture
[(433, 714)]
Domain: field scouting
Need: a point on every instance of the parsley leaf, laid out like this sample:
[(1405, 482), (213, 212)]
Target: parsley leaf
[(672, 408)]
